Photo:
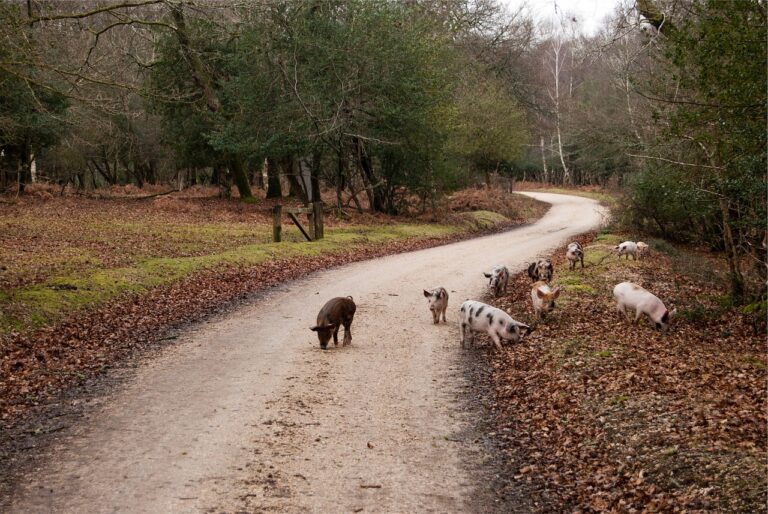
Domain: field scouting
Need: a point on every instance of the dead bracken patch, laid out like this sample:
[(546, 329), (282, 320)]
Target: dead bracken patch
[(495, 200), (596, 415)]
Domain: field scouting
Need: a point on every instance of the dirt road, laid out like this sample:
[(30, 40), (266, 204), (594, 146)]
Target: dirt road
[(248, 414)]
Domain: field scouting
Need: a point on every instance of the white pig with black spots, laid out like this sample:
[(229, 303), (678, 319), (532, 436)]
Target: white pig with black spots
[(480, 317)]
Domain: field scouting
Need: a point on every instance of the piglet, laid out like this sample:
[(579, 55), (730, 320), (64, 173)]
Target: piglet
[(336, 312), (438, 303), (642, 250), (574, 254), (543, 269), (627, 248), (498, 278), (543, 298), (480, 317), (632, 296)]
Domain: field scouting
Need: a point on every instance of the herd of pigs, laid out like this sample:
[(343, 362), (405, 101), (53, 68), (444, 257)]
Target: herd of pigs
[(477, 316)]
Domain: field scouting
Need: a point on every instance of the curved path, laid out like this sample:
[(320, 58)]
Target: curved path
[(247, 414)]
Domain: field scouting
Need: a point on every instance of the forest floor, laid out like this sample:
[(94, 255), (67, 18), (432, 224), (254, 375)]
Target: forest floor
[(597, 415), (86, 281)]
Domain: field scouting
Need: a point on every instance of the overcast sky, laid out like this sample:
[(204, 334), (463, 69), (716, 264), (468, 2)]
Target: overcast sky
[(589, 13)]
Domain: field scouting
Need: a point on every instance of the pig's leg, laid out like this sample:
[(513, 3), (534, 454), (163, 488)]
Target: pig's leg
[(623, 310), (435, 316), (496, 340), (445, 308), (348, 333), (638, 313), (462, 333), (336, 336)]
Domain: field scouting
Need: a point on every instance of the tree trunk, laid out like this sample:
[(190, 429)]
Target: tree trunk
[(257, 177), (340, 176), (557, 51), (273, 180), (138, 173), (203, 80), (220, 177), (32, 168), (104, 174), (199, 73), (731, 253), (25, 169), (240, 177), (314, 176), (373, 190), (291, 170)]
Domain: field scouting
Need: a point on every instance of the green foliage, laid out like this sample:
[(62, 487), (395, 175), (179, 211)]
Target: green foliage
[(381, 88), (489, 125), (709, 186), (186, 120), (663, 203)]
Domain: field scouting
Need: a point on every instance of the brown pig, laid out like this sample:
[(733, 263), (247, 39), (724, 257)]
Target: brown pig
[(335, 313)]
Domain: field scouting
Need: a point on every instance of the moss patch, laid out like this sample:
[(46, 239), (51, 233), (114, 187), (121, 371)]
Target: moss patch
[(483, 220)]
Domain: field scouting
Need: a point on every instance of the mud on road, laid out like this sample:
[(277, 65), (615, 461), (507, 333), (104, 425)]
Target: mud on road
[(248, 414)]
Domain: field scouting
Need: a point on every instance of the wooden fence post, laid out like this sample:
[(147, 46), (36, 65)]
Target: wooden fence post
[(317, 207), (277, 229)]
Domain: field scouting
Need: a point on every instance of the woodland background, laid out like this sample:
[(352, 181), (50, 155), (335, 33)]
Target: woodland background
[(393, 104)]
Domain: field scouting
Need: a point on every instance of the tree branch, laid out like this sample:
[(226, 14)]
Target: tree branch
[(676, 162), (87, 14)]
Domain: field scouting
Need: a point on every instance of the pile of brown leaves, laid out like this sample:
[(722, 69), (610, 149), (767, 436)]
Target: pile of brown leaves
[(596, 415)]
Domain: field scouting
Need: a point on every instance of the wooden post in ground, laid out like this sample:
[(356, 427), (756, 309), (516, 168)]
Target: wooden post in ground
[(277, 228), (317, 207)]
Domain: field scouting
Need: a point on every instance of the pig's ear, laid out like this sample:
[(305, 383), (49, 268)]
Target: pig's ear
[(525, 329), (314, 328), (556, 292), (487, 275), (427, 294), (539, 293), (443, 294)]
